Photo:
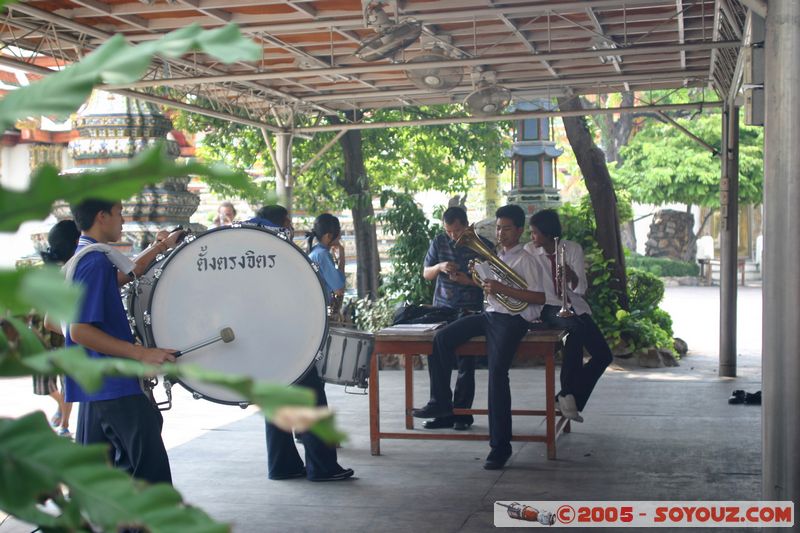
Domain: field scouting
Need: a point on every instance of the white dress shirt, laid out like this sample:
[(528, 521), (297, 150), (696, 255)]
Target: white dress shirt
[(573, 256), (526, 266)]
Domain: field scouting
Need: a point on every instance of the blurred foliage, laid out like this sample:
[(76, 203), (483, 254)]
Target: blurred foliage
[(92, 496), (37, 465), (117, 62), (115, 182)]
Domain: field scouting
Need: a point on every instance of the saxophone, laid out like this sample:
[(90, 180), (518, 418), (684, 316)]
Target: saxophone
[(502, 272)]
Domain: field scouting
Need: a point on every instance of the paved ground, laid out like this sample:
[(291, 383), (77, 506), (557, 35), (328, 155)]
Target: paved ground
[(650, 434)]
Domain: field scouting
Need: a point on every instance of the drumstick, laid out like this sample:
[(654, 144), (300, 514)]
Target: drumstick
[(225, 335)]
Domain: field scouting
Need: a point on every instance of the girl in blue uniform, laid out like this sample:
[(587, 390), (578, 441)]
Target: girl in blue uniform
[(283, 461)]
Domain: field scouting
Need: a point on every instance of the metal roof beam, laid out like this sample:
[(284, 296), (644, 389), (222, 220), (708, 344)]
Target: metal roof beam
[(29, 67), (368, 68), (94, 32), (536, 84), (513, 116), (272, 22)]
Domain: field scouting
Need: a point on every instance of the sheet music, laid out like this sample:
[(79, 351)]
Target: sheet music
[(412, 328)]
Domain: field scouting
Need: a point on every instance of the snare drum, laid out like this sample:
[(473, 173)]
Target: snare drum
[(246, 278), (346, 356)]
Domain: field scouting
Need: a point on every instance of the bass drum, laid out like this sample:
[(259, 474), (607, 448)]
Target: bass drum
[(246, 278)]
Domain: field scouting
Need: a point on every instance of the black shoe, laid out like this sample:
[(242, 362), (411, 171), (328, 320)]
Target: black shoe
[(293, 475), (752, 399), (346, 473), (433, 410), (496, 460), (438, 423), (737, 396), (462, 426)]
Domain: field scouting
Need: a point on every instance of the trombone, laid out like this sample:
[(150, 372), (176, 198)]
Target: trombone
[(565, 311)]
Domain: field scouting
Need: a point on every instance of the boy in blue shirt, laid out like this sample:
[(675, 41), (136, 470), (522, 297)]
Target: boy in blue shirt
[(119, 413)]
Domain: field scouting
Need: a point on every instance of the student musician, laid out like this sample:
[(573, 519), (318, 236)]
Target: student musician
[(577, 379), (504, 329)]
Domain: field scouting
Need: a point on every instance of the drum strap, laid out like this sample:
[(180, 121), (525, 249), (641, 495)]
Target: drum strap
[(123, 263), (115, 256)]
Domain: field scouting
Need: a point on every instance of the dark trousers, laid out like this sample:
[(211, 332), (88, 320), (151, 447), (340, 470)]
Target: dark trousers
[(577, 378), (282, 456), (464, 392), (503, 334), (131, 425)]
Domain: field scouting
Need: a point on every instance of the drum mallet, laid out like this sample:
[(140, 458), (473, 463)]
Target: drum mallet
[(225, 335)]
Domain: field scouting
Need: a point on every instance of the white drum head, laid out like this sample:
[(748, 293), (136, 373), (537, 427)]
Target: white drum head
[(252, 281)]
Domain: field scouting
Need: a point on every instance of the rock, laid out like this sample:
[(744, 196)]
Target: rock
[(622, 350), (680, 346), (650, 358), (668, 358)]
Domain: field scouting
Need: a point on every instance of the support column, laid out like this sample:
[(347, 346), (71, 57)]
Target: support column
[(729, 241), (781, 256), (284, 181)]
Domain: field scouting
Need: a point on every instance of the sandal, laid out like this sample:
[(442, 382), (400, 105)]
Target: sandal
[(64, 432), (55, 420)]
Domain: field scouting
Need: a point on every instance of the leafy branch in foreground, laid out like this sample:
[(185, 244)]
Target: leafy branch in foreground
[(117, 62), (39, 465), (23, 355), (115, 182)]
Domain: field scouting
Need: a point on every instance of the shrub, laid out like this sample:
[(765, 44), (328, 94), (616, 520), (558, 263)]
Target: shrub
[(373, 315), (413, 233), (662, 266), (645, 290), (645, 325)]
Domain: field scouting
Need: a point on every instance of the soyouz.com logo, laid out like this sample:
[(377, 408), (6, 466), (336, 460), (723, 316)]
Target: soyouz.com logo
[(619, 514)]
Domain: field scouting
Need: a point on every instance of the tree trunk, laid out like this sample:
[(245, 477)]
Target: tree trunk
[(592, 163), (356, 182)]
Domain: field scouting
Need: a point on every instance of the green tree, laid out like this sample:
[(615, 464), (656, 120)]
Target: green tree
[(663, 165), (403, 159)]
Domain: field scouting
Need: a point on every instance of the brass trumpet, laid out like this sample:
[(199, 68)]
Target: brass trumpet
[(504, 273), (565, 311)]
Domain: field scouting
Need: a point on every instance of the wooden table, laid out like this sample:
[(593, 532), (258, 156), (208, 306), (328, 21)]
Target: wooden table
[(541, 343)]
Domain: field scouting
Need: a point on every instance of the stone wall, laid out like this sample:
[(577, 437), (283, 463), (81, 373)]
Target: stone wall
[(671, 235)]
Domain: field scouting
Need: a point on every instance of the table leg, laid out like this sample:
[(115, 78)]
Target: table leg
[(409, 368), (550, 391), (374, 407)]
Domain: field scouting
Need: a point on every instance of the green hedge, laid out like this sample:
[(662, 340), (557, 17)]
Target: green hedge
[(662, 266)]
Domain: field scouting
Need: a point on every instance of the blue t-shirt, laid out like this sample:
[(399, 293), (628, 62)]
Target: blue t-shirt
[(333, 278), (101, 307), (448, 293)]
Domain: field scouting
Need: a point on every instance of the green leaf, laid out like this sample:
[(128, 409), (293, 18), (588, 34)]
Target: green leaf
[(27, 342), (37, 464), (113, 183), (89, 372), (46, 290), (117, 62)]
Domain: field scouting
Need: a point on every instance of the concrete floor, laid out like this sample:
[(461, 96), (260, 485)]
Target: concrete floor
[(650, 434)]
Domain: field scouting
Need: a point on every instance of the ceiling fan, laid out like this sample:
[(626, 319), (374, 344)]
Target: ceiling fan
[(434, 78), (390, 37), (488, 98)]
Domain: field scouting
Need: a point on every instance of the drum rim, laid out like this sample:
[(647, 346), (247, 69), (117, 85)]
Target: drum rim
[(265, 229)]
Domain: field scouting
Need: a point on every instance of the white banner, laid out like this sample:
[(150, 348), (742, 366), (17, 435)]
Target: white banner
[(621, 514)]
